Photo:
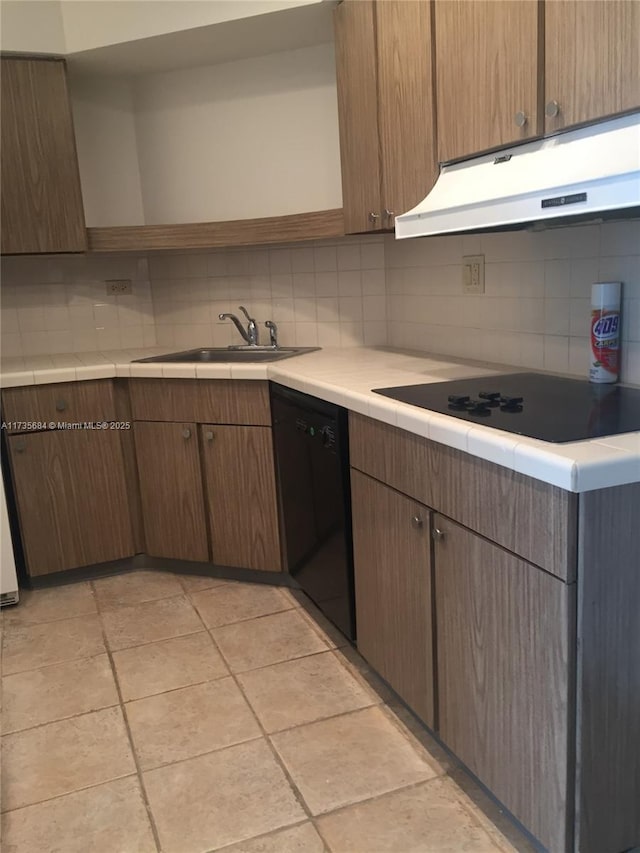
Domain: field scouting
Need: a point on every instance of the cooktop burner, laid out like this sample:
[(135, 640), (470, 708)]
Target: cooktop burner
[(546, 407)]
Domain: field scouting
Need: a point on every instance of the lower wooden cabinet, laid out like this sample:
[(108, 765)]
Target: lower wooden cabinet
[(240, 483), (504, 675), (392, 557), (171, 490), (72, 498)]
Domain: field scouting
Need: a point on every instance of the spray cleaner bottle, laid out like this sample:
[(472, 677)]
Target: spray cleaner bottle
[(604, 356)]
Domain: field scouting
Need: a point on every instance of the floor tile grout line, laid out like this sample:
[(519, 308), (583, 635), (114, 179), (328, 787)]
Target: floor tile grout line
[(55, 663), (61, 719), (79, 790), (275, 663), (241, 621), (296, 791), (139, 773), (264, 835)]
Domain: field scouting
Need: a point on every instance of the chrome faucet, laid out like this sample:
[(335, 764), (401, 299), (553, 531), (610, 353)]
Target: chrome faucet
[(273, 333), (250, 334)]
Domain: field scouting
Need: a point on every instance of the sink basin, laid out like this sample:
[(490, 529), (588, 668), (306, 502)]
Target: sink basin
[(217, 355)]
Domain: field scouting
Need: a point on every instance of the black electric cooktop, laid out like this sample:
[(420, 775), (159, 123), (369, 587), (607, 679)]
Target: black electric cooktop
[(546, 407)]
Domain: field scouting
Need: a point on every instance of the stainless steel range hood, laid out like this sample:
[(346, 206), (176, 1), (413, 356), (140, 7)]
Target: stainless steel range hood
[(580, 174)]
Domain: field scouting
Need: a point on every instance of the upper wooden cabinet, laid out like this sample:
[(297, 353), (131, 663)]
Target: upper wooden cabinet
[(42, 207), (385, 109), (592, 60), (487, 73)]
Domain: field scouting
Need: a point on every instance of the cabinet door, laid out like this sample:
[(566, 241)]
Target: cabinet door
[(240, 483), (358, 115), (487, 73), (592, 59), (72, 499), (504, 670), (41, 199), (406, 109), (171, 490), (393, 590)]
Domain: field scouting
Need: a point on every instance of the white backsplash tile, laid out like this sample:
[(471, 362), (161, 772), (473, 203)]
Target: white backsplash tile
[(372, 290)]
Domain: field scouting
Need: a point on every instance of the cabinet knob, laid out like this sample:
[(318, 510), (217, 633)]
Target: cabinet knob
[(437, 534), (552, 109), (373, 216), (61, 405), (20, 445), (389, 213), (520, 118), (209, 435), (186, 433), (416, 522)]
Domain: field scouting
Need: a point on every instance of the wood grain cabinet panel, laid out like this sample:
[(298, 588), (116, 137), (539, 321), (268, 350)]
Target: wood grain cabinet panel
[(72, 498), (222, 401), (504, 673), (392, 558), (240, 484), (529, 517), (71, 402), (356, 72), (385, 109), (592, 59), (488, 70), (406, 104), (171, 490), (42, 208)]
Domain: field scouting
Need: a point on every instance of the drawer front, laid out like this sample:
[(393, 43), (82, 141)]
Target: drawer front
[(70, 402), (533, 519), (213, 401)]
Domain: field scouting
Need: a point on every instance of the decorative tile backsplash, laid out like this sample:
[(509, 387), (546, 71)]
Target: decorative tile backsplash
[(59, 304), (370, 290), (536, 306), (328, 294)]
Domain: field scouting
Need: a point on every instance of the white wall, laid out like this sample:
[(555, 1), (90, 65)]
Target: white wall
[(256, 137), (95, 23), (32, 26), (107, 151)]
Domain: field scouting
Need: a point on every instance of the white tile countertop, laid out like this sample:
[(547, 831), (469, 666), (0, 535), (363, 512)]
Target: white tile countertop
[(346, 377)]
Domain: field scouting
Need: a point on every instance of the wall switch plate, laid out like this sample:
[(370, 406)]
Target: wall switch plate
[(118, 286), (473, 274)]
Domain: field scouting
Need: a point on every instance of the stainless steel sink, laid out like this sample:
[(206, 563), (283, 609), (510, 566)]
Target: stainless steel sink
[(216, 355)]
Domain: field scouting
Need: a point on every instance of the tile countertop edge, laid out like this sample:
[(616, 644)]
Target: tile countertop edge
[(340, 376)]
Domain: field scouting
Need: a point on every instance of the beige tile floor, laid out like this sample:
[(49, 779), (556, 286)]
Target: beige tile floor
[(152, 712)]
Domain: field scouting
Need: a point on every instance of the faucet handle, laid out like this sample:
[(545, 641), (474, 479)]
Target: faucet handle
[(273, 332), (246, 313)]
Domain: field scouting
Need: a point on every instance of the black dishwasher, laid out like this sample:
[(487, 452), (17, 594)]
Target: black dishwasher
[(312, 458)]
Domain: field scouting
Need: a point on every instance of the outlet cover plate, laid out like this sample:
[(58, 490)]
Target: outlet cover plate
[(119, 287), (473, 274)]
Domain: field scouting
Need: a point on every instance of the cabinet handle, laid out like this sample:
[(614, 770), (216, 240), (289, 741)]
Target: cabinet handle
[(20, 446), (61, 405), (520, 118), (209, 435), (186, 433), (416, 522), (389, 213), (373, 216), (552, 109), (437, 534)]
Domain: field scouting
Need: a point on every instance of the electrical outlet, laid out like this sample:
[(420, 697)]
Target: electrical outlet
[(118, 286), (473, 274)]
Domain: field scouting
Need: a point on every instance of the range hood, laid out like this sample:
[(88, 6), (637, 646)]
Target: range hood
[(579, 174)]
